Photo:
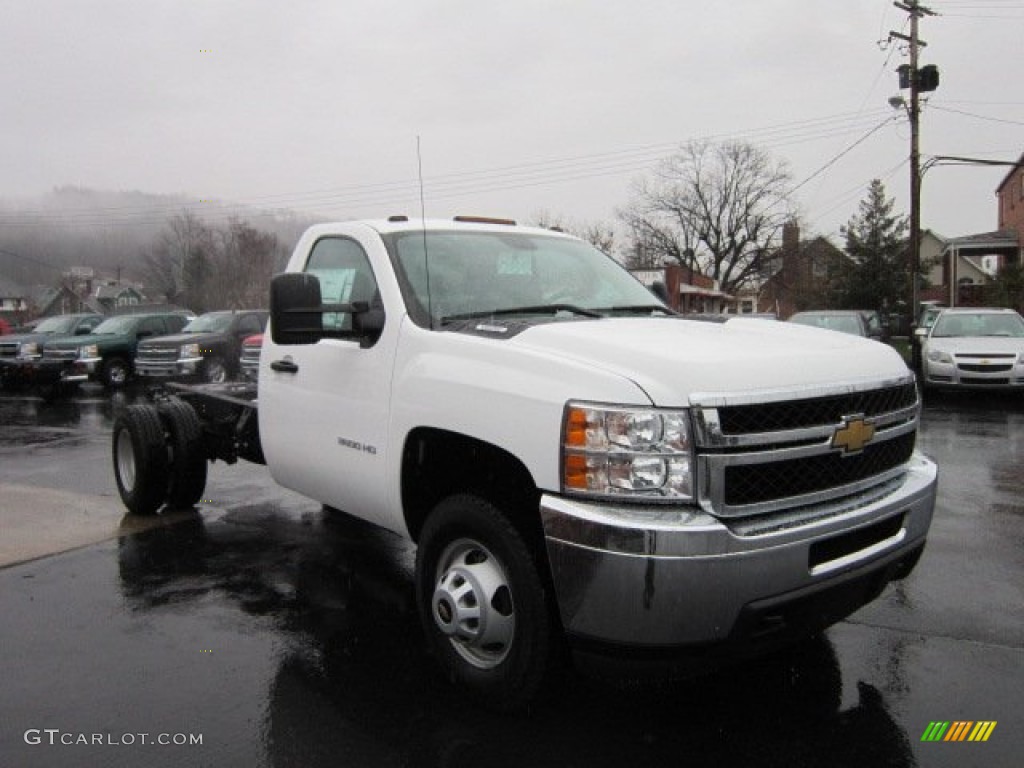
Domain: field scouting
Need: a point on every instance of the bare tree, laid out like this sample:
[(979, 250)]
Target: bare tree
[(713, 208), (178, 264), (246, 261), (599, 234)]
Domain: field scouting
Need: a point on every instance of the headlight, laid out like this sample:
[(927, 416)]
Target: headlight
[(940, 356), (88, 351), (618, 452), (189, 350), (29, 349)]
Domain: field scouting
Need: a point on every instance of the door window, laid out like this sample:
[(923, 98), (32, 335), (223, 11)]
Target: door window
[(345, 277)]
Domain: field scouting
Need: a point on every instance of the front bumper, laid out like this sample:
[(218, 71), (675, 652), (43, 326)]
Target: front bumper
[(971, 375), (186, 366), (43, 372), (656, 577)]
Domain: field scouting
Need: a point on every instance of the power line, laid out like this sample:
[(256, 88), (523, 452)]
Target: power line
[(548, 171)]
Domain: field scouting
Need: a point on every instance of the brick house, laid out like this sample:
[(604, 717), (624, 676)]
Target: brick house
[(1011, 201), (688, 290), (802, 274)]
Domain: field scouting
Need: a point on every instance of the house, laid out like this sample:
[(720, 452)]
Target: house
[(962, 265), (14, 302), (48, 300), (1011, 203), (114, 296), (802, 274), (688, 291)]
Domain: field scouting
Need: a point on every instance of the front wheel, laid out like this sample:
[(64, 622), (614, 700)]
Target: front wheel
[(115, 373), (482, 602), (215, 371)]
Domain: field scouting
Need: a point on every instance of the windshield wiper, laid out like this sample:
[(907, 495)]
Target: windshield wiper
[(639, 309), (539, 309)]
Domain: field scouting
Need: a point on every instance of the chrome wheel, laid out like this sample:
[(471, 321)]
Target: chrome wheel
[(215, 372), (472, 604)]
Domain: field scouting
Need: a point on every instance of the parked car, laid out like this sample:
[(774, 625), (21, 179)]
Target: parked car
[(877, 327), (208, 348), (843, 320), (249, 360), (925, 320), (20, 351), (972, 347), (107, 354)]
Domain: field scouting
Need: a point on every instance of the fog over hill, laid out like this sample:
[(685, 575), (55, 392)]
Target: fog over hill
[(71, 226)]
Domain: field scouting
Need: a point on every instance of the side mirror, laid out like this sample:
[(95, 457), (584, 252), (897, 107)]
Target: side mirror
[(920, 333), (297, 313)]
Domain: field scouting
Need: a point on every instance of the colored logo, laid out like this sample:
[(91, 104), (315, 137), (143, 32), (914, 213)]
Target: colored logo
[(959, 730), (853, 435)]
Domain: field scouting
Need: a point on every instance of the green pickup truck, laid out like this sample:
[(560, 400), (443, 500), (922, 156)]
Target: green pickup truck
[(106, 355)]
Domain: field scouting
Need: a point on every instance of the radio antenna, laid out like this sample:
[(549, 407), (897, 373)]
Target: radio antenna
[(423, 223)]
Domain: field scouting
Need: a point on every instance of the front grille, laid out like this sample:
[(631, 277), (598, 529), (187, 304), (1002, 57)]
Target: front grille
[(974, 368), (794, 414), (60, 354), (756, 483), (1001, 382), (763, 455), (8, 350), (158, 355)]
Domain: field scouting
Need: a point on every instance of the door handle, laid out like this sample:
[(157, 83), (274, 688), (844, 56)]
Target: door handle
[(284, 366)]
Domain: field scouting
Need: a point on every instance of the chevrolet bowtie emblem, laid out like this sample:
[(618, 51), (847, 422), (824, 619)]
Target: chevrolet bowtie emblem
[(853, 435)]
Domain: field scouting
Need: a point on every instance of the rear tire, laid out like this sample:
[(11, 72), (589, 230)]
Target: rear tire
[(140, 459), (187, 470), (482, 602)]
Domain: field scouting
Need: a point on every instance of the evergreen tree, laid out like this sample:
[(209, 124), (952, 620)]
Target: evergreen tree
[(877, 246)]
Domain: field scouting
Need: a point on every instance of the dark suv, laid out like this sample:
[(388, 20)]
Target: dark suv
[(19, 353), (208, 348), (107, 354)]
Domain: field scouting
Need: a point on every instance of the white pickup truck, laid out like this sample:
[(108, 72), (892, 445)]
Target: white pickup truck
[(573, 459)]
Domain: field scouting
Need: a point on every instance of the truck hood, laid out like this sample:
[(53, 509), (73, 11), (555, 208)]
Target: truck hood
[(177, 339), (99, 339), (672, 359)]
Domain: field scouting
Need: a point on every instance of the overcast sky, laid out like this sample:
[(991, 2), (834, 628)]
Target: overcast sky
[(520, 107)]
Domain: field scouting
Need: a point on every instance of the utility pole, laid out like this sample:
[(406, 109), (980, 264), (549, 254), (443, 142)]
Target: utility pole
[(917, 80)]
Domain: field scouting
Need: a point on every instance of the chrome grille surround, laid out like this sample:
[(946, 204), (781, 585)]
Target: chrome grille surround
[(778, 454)]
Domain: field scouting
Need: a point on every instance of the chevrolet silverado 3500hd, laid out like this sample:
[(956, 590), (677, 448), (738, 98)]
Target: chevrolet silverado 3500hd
[(573, 459)]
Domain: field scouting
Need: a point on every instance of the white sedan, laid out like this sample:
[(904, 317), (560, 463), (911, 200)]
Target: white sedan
[(973, 347)]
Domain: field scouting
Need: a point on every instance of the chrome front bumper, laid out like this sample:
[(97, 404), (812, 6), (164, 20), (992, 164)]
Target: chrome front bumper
[(657, 576)]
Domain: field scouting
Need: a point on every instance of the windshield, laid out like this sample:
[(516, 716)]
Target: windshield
[(61, 324), (122, 324), (475, 274), (212, 323), (979, 324), (842, 323)]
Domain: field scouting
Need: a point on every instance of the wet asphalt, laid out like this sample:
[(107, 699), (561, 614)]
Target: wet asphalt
[(281, 634)]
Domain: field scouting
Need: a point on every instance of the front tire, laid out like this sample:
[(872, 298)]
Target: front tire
[(115, 373), (140, 459), (215, 371), (482, 602)]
